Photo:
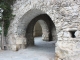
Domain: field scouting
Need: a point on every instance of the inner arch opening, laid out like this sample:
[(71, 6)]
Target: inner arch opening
[(41, 29), (37, 32)]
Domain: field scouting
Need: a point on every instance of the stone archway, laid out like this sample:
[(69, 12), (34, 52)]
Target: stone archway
[(46, 24), (22, 35)]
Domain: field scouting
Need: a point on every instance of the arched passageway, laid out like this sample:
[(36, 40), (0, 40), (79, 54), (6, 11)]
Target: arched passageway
[(41, 43), (48, 29), (20, 35)]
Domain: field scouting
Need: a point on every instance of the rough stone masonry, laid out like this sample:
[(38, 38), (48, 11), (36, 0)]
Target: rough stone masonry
[(63, 16)]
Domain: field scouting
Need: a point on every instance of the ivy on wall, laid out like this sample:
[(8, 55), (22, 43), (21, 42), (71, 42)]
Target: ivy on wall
[(7, 14), (0, 28)]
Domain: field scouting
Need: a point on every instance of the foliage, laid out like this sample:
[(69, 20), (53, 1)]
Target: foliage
[(7, 14), (0, 30)]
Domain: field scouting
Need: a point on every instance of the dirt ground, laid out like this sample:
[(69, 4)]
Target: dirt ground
[(41, 51)]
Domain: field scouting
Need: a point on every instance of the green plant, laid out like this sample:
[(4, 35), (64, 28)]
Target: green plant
[(7, 14), (0, 32), (0, 28)]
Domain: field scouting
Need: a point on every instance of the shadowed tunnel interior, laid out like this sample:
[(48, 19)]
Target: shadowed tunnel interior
[(48, 22)]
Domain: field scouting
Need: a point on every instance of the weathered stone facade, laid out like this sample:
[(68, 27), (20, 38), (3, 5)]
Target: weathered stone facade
[(65, 16)]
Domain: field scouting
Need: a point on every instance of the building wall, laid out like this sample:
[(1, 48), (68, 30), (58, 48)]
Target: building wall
[(65, 14)]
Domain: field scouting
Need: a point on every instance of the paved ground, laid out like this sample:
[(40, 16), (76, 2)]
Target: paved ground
[(41, 51)]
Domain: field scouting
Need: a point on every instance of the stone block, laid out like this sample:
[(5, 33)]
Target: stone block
[(19, 41), (23, 46), (25, 41), (13, 47), (77, 34), (66, 34), (0, 48)]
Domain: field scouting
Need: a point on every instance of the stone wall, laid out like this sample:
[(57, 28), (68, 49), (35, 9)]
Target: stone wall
[(65, 14)]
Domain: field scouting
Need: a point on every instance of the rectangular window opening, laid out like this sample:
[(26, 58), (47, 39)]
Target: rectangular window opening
[(72, 32)]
